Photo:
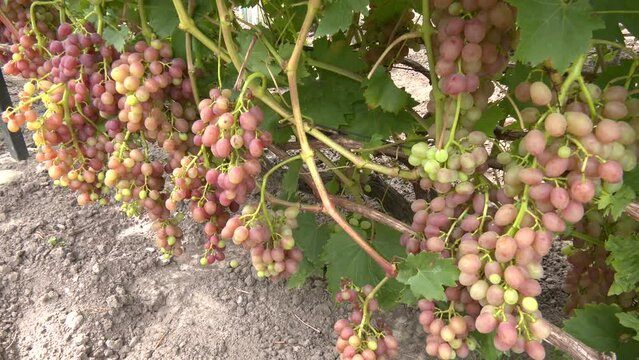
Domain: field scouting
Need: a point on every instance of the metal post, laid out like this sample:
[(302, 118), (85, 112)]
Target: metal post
[(14, 140)]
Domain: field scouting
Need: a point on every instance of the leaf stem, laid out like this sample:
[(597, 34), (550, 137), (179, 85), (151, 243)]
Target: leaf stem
[(146, 31), (189, 57), (573, 75), (407, 36), (427, 31), (187, 24)]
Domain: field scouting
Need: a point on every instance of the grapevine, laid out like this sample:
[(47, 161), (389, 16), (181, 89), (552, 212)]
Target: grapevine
[(516, 148)]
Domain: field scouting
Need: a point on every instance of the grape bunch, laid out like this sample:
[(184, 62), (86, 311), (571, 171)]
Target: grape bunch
[(268, 235), (447, 166), (26, 55), (473, 40), (358, 337), (447, 335), (591, 277)]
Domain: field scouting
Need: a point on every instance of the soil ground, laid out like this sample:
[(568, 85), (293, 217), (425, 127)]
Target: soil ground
[(102, 292)]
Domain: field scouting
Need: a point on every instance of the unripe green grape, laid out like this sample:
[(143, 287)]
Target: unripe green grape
[(368, 188), (131, 100), (564, 152), (431, 167), (143, 194), (365, 225), (353, 221), (171, 240), (414, 160), (430, 154), (511, 296), (419, 150), (529, 304), (372, 344), (494, 279), (291, 212), (261, 274), (203, 261), (441, 156), (234, 263)]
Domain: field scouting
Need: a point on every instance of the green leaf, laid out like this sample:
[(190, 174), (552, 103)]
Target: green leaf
[(340, 92), (339, 53), (117, 38), (624, 258), (630, 320), (338, 15), (162, 17), (260, 59), (290, 181), (629, 20), (178, 43), (381, 91), (486, 346), (598, 327), (489, 119), (615, 204), (390, 294), (615, 73), (555, 30), (311, 239), (427, 274), (366, 123), (345, 259), (631, 179), (516, 75), (281, 132)]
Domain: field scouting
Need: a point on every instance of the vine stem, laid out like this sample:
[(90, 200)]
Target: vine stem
[(228, 35), (5, 20), (187, 24), (407, 36), (573, 75), (360, 162), (307, 152), (368, 299), (146, 31), (189, 57), (427, 31)]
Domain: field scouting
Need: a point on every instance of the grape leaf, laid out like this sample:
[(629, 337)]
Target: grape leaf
[(271, 123), (486, 347), (615, 73), (117, 38), (328, 99), (338, 15), (489, 119), (598, 327), (516, 75), (162, 16), (615, 204), (382, 92), (630, 320), (624, 258), (290, 181), (554, 29), (345, 259), (337, 52), (366, 123), (390, 294), (260, 60), (427, 274), (311, 239), (631, 179), (612, 20)]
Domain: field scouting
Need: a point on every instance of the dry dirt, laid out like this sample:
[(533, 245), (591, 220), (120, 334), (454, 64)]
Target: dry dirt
[(102, 292)]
